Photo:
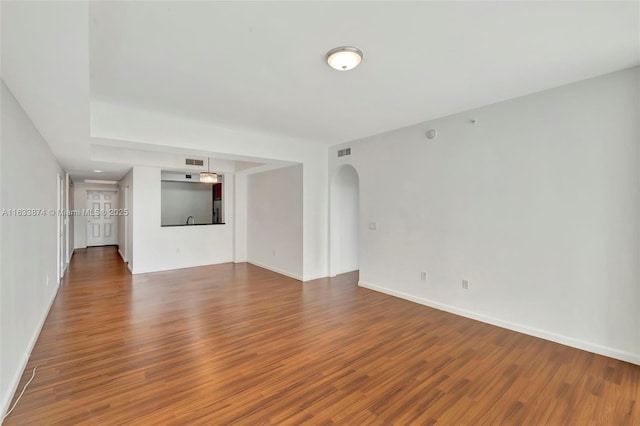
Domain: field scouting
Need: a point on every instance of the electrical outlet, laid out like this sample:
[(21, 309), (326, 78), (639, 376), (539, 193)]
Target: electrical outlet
[(423, 276), (465, 284), (373, 226)]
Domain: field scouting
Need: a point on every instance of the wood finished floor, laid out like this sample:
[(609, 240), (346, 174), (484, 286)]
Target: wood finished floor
[(237, 344)]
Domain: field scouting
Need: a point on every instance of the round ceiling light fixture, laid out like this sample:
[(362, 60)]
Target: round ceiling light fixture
[(344, 58)]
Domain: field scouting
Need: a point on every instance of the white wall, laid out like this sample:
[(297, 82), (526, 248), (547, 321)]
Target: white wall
[(80, 201), (125, 222), (28, 245), (124, 123), (240, 229), (536, 204), (274, 220), (71, 219), (157, 248), (122, 231), (345, 220)]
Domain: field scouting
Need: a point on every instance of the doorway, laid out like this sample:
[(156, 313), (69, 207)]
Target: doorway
[(102, 223), (345, 221)]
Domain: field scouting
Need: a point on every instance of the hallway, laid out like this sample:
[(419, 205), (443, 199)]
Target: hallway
[(239, 344)]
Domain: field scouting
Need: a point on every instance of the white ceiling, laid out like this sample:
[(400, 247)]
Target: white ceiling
[(259, 66)]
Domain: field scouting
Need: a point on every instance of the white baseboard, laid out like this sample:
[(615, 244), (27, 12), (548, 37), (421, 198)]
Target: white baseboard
[(531, 331), (277, 270), (121, 255), (34, 338)]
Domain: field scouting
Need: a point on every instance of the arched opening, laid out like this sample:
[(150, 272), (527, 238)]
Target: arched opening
[(344, 221)]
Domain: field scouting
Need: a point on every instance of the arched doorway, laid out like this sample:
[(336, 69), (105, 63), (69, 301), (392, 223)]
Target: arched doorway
[(345, 219)]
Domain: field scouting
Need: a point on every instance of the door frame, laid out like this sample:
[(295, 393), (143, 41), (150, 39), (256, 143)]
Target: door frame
[(60, 226), (67, 201), (126, 224)]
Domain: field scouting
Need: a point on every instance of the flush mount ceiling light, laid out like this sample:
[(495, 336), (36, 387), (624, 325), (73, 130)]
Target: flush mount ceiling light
[(97, 171), (208, 177), (344, 58)]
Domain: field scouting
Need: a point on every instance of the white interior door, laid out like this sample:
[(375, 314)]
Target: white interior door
[(102, 225)]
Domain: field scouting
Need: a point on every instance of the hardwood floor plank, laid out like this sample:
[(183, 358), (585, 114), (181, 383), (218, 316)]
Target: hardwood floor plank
[(237, 344)]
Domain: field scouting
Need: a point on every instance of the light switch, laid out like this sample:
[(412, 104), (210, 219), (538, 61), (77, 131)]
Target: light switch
[(373, 226)]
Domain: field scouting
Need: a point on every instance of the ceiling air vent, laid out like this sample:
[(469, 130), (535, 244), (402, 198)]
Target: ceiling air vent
[(192, 162), (343, 152)]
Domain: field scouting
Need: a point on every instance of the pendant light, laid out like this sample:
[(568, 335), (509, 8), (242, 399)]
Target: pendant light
[(208, 177)]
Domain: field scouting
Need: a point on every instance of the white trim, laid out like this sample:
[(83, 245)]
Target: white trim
[(100, 189), (66, 221), (121, 255), (32, 343), (126, 225), (531, 331), (314, 277), (277, 270), (59, 229)]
